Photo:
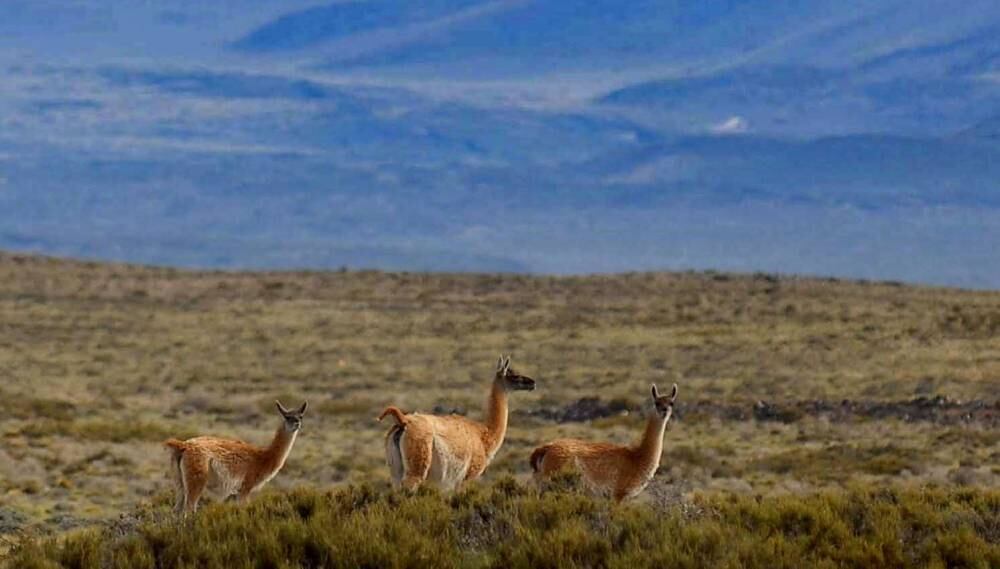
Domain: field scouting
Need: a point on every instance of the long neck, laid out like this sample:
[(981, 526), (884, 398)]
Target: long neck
[(277, 452), (650, 447), (496, 419)]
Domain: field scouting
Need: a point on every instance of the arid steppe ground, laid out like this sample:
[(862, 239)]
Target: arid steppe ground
[(100, 362)]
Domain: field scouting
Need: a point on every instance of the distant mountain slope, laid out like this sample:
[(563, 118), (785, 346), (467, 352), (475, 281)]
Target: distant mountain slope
[(907, 68), (804, 101), (318, 24), (799, 68), (571, 34), (861, 171), (891, 34), (987, 131), (853, 137)]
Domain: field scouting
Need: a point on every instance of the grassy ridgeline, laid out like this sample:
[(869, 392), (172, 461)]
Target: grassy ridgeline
[(509, 525)]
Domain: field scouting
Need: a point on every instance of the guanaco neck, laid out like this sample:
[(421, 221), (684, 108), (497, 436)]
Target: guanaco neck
[(276, 453), (496, 419), (650, 447)]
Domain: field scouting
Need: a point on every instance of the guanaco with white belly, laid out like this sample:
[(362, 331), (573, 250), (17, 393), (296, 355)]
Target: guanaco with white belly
[(230, 467), (621, 472), (450, 450)]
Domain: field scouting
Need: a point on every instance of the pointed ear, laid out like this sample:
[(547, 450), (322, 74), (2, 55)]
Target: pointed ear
[(500, 363), (654, 391), (673, 393), (301, 410), (506, 363), (281, 408)]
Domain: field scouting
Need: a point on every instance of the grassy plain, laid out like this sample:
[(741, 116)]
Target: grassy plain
[(100, 362)]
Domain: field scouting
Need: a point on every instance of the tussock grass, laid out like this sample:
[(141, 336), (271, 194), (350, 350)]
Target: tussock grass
[(509, 525), (17, 406), (832, 462), (111, 430)]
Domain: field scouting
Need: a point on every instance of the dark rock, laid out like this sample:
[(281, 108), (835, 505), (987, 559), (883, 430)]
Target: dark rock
[(938, 409), (67, 522), (11, 520), (590, 408), (763, 411), (585, 409)]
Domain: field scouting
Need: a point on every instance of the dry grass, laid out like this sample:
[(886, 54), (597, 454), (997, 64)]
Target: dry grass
[(99, 362)]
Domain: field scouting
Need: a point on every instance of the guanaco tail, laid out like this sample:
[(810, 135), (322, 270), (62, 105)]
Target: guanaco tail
[(449, 450), (227, 466), (618, 471)]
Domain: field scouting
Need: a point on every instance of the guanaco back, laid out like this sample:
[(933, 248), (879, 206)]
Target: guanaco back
[(228, 466), (618, 471), (449, 450)]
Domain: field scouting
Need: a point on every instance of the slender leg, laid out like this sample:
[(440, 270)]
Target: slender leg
[(181, 493), (244, 494), (622, 491), (195, 470), (178, 478), (417, 450)]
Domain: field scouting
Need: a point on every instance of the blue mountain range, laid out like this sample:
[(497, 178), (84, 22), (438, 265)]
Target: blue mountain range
[(858, 138)]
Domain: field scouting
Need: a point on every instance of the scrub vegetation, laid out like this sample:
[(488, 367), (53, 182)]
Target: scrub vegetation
[(819, 421), (506, 525)]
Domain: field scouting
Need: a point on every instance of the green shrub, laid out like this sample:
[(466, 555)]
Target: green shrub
[(509, 525)]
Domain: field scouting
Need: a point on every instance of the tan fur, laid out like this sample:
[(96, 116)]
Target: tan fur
[(227, 466), (448, 450), (397, 414), (618, 471)]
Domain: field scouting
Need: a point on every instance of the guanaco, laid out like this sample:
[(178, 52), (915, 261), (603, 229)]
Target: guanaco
[(450, 450), (230, 467), (618, 471)]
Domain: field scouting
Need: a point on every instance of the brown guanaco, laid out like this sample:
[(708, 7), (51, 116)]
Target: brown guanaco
[(449, 450), (618, 471), (230, 467)]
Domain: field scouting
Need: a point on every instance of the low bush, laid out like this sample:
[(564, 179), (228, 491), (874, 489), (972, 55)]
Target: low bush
[(509, 525)]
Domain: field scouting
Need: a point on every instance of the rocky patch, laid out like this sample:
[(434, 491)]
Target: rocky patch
[(11, 521), (939, 409)]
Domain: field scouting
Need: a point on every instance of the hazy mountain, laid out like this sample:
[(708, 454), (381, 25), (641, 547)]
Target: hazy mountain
[(921, 36), (987, 132), (853, 138)]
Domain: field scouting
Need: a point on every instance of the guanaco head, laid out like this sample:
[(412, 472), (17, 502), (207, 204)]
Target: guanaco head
[(664, 403), (293, 419), (510, 379)]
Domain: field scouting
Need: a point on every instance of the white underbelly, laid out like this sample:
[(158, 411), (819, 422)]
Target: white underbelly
[(447, 470), (591, 481), (222, 482)]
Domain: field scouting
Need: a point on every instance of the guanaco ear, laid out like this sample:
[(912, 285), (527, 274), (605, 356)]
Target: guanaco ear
[(673, 393), (301, 410), (281, 408), (506, 363), (655, 392), (500, 364)]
